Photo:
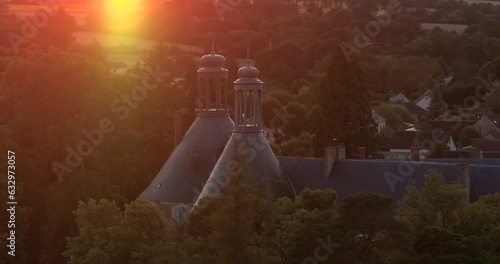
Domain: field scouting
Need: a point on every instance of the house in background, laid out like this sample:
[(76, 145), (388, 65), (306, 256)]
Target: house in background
[(454, 126), (117, 67), (426, 101), (379, 120), (400, 98), (493, 134), (487, 148), (488, 124), (402, 142), (448, 79), (423, 106)]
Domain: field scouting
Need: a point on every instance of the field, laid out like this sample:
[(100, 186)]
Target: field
[(113, 41), (125, 48), (118, 48), (79, 12), (483, 2), (450, 27)]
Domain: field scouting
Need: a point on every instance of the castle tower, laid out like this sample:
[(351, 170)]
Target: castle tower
[(248, 149), (179, 182)]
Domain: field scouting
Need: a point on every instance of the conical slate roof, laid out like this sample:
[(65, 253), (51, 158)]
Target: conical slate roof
[(248, 153), (181, 177)]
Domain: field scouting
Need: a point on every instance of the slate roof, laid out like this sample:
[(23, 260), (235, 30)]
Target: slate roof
[(494, 134), (407, 139), (180, 179), (427, 93), (486, 144), (377, 117), (494, 118), (389, 177), (455, 126), (491, 155), (399, 98), (449, 154), (248, 150)]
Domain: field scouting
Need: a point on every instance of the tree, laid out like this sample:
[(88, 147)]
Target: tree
[(106, 235), (490, 27), (467, 134), (476, 219), (270, 106), (298, 146), (65, 94), (414, 74), (230, 224), (395, 115), (440, 246), (344, 113), (481, 218), (436, 204), (283, 63), (4, 9), (299, 112), (370, 233), (296, 225), (362, 8), (20, 225)]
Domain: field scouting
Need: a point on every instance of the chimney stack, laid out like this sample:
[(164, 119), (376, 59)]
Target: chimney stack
[(463, 178), (330, 155), (340, 152), (362, 153), (474, 153), (414, 153)]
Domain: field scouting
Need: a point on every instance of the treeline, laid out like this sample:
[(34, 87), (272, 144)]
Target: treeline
[(433, 224), (53, 90), (80, 132)]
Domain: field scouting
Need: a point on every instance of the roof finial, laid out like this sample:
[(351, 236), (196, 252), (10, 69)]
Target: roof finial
[(248, 51), (213, 45)]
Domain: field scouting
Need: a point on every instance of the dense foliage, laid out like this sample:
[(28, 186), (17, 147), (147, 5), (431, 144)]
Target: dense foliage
[(55, 92), (433, 225)]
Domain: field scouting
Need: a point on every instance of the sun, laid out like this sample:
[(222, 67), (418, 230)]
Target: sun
[(122, 16)]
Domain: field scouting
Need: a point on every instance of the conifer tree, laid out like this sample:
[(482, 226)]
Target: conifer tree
[(343, 115)]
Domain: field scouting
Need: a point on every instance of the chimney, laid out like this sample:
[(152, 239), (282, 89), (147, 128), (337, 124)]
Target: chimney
[(362, 153), (177, 127), (217, 152), (340, 152), (463, 178), (474, 153), (330, 154), (414, 153)]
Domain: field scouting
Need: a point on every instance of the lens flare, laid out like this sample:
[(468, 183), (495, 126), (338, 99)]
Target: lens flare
[(123, 16)]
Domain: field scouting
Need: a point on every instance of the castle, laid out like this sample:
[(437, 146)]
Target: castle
[(216, 147)]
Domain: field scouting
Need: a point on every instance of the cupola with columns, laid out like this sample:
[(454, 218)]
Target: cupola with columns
[(212, 84), (248, 99)]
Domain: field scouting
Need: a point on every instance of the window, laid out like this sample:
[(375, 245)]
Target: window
[(179, 212)]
